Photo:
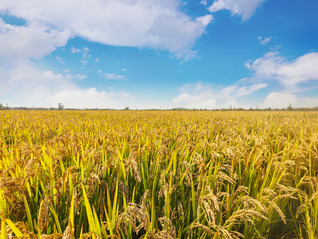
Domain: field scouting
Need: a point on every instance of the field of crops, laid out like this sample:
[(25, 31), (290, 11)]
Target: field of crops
[(126, 174)]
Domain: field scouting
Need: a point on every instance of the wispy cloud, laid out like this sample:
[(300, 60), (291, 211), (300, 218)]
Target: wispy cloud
[(75, 50), (265, 40), (59, 59), (85, 54), (237, 90), (111, 76), (243, 8)]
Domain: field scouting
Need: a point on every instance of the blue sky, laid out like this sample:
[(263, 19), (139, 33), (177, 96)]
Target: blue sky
[(159, 54)]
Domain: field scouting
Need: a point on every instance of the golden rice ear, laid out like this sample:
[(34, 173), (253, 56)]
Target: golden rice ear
[(44, 214), (131, 166), (168, 229), (68, 233), (92, 182)]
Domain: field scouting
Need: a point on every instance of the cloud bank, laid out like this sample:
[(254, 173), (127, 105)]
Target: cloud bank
[(134, 23)]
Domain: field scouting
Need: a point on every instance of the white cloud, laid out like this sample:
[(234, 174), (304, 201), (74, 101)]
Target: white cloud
[(22, 82), (90, 98), (292, 76), (197, 95), (204, 2), (308, 102), (201, 95), (137, 23), (265, 40), (279, 100), (204, 100), (284, 99), (205, 20), (243, 8), (272, 66), (21, 43), (302, 69), (24, 85)]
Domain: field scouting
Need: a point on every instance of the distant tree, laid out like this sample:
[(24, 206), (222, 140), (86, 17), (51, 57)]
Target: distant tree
[(60, 106), (126, 108), (1, 106), (290, 107)]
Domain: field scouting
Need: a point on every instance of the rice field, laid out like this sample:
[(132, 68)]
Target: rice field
[(155, 174)]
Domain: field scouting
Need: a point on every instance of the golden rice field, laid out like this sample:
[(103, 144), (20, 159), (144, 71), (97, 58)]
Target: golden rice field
[(126, 174)]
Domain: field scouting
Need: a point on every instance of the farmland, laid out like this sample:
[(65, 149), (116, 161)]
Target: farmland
[(149, 174)]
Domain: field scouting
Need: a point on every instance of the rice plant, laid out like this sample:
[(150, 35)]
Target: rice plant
[(143, 174)]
